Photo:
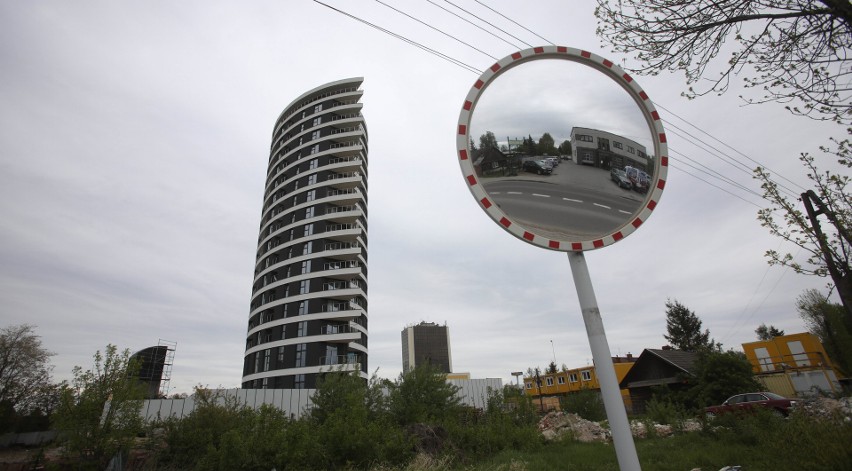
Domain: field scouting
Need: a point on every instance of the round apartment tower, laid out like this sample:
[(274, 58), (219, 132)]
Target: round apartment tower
[(308, 310)]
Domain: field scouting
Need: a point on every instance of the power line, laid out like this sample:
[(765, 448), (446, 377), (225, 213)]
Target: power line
[(436, 29), (474, 24), (490, 24), (515, 22), (403, 38)]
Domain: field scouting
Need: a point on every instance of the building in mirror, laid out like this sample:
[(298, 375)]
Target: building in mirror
[(607, 150), (308, 310)]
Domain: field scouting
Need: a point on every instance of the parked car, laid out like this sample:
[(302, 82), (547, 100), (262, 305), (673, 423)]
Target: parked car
[(746, 402), (553, 161), (537, 166), (620, 178)]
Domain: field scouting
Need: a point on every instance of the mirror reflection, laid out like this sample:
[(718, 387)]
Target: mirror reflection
[(562, 149)]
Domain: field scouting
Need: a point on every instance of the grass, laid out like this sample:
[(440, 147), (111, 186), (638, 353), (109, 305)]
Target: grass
[(759, 442)]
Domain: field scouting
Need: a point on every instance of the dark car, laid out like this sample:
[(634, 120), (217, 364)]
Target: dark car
[(747, 402), (537, 166), (620, 178)]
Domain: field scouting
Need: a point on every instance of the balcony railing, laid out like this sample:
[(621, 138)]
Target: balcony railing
[(339, 329), (351, 284), (348, 191), (341, 264), (337, 176), (341, 227), (342, 245), (350, 359)]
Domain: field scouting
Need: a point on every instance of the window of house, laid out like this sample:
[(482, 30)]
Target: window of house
[(318, 108), (572, 377), (315, 134), (315, 148), (587, 375), (529, 385), (549, 381), (302, 329), (266, 359), (309, 213), (307, 248), (309, 229), (631, 149), (311, 195), (299, 382), (617, 145), (303, 308), (313, 164), (312, 180), (585, 138), (317, 121), (306, 267), (561, 380), (304, 287)]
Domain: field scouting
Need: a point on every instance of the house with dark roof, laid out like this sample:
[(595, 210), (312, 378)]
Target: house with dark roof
[(490, 161), (655, 368)]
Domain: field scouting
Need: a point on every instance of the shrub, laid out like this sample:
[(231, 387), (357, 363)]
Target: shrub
[(586, 403)]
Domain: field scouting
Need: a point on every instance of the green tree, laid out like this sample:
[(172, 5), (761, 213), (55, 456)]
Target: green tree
[(565, 148), (423, 395), (827, 321), (767, 333), (720, 375), (99, 413), (488, 141), (546, 145), (829, 251), (792, 50), (683, 329), (25, 382), (352, 424)]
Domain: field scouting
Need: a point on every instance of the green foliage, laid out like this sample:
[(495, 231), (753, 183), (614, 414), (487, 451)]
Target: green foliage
[(546, 145), (765, 332), (565, 148), (829, 322), (351, 423), (422, 395), (586, 403), (683, 329), (666, 412), (99, 412), (720, 375)]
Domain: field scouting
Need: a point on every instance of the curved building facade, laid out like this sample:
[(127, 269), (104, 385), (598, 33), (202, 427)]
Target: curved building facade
[(309, 298)]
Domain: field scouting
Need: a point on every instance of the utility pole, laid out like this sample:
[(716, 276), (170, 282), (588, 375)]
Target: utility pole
[(839, 274)]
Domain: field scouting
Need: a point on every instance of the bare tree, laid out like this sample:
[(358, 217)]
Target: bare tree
[(24, 367), (828, 248), (796, 51)]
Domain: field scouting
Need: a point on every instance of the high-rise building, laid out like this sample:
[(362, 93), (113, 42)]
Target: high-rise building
[(309, 297), (429, 343)]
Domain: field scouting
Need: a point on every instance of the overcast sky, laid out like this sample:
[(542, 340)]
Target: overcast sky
[(134, 138)]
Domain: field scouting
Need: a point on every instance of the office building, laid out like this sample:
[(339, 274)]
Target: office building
[(309, 297), (426, 342)]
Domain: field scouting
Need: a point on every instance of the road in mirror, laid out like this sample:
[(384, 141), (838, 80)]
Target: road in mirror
[(562, 149)]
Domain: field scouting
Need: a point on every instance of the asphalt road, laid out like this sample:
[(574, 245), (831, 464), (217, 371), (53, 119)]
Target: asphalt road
[(575, 202)]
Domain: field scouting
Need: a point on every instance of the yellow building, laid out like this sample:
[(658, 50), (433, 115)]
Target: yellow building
[(550, 386), (792, 365)]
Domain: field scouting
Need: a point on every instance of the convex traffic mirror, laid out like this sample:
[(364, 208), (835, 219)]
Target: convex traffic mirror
[(562, 148)]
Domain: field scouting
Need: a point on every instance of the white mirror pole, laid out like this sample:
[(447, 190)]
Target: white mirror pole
[(625, 449)]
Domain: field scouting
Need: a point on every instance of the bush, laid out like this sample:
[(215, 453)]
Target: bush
[(665, 412), (586, 403)]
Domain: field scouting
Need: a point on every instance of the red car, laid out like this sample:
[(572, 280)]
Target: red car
[(745, 402)]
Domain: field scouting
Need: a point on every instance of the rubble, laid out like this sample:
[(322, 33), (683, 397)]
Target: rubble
[(556, 425)]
